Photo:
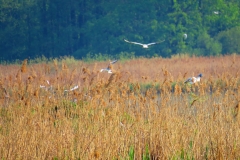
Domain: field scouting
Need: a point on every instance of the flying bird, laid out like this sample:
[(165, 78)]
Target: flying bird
[(216, 12), (41, 86), (109, 68), (46, 88), (193, 80), (144, 45), (72, 89)]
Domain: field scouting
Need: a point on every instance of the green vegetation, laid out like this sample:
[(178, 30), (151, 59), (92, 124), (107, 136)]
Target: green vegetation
[(131, 153), (30, 29), (123, 56)]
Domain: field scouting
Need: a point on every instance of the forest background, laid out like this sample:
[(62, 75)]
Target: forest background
[(80, 28)]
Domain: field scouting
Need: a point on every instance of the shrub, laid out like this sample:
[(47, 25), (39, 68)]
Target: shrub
[(230, 40)]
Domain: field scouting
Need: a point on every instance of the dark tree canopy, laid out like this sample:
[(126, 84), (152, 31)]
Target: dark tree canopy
[(32, 28)]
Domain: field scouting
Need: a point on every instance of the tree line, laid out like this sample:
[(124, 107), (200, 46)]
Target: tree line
[(53, 28)]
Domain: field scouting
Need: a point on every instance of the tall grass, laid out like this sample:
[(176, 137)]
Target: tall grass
[(142, 111)]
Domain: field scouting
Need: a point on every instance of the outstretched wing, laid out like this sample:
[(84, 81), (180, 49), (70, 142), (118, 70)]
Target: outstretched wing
[(113, 61), (188, 80), (110, 64), (104, 69), (133, 42), (74, 88), (155, 43)]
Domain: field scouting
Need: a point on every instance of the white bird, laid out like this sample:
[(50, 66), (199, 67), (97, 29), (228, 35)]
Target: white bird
[(144, 45), (193, 80), (185, 36), (109, 68), (49, 88), (216, 12), (72, 89), (42, 86), (46, 88)]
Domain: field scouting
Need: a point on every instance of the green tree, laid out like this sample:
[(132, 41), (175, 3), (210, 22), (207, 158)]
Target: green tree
[(230, 40), (207, 46), (78, 27)]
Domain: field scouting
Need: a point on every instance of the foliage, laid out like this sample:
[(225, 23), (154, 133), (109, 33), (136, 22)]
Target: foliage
[(131, 153), (146, 155), (230, 40), (123, 56), (30, 29), (207, 46)]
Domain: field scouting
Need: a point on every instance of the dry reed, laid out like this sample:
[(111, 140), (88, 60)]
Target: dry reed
[(151, 111)]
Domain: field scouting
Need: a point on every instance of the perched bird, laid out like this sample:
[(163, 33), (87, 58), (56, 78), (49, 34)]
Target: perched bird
[(144, 45), (193, 80), (185, 36), (109, 68)]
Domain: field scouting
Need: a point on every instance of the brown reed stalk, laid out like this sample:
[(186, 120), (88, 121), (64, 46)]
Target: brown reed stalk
[(112, 78), (193, 102), (19, 76), (33, 73), (24, 66), (36, 93), (4, 95), (178, 90), (95, 70), (55, 62), (202, 88), (85, 71), (73, 74), (92, 80), (64, 66), (30, 79), (46, 69), (236, 111), (233, 60), (185, 75), (85, 79)]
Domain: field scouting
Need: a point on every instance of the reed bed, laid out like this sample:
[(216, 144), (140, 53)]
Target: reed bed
[(141, 111)]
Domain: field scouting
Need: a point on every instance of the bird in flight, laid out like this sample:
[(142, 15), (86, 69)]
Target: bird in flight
[(46, 88), (193, 80), (72, 89), (109, 68), (144, 45)]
